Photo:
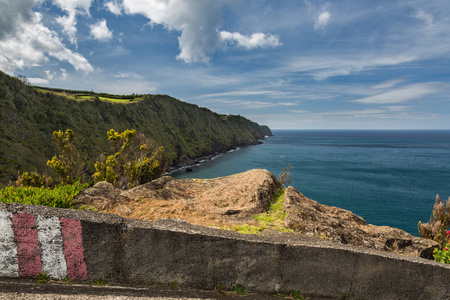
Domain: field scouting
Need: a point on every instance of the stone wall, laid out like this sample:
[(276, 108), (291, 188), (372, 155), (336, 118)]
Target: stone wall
[(87, 246)]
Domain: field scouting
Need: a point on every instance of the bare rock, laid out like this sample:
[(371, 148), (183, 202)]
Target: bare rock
[(102, 196), (310, 218), (200, 201)]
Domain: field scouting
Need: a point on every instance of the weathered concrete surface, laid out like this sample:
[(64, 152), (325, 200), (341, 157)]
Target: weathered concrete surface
[(29, 289), (167, 251)]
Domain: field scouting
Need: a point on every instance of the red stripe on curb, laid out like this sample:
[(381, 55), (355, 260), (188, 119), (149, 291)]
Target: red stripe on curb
[(28, 254), (73, 248)]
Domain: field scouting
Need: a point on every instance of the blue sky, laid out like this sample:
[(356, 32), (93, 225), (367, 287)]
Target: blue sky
[(287, 64)]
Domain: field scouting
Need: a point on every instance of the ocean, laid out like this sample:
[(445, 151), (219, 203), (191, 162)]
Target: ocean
[(388, 177)]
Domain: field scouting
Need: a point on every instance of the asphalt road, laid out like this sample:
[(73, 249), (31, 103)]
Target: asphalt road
[(29, 289)]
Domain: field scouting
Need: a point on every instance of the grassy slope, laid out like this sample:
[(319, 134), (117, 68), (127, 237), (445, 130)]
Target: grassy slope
[(28, 118)]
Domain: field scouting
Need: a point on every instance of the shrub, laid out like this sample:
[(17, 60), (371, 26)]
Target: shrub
[(285, 176), (136, 160), (442, 254), (67, 165), (61, 196), (34, 179), (439, 222)]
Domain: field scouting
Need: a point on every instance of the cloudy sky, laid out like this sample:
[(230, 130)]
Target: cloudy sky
[(303, 64)]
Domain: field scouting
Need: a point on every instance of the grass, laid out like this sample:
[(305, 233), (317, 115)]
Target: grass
[(42, 278), (90, 95), (239, 289), (100, 282), (273, 219), (295, 294), (61, 196)]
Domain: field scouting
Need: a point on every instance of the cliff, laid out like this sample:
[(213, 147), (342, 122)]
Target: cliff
[(234, 201), (28, 117)]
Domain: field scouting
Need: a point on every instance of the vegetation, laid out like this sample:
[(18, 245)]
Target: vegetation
[(100, 282), (239, 289), (442, 254), (33, 179), (135, 161), (439, 222), (437, 229), (295, 294), (273, 219), (28, 116), (61, 196), (285, 176), (42, 278), (67, 165)]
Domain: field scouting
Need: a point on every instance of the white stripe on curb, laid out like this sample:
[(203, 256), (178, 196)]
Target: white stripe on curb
[(52, 247), (9, 266)]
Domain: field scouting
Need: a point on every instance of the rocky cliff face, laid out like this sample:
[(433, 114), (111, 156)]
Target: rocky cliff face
[(235, 199), (310, 218)]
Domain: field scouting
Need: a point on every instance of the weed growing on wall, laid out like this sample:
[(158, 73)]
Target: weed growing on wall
[(42, 278), (239, 289)]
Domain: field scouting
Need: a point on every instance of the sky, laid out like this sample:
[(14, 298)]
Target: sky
[(291, 64)]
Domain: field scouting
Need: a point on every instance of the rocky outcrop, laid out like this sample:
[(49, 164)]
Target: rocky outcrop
[(235, 199), (218, 201), (310, 218)]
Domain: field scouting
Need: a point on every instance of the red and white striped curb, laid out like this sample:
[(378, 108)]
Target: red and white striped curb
[(30, 245)]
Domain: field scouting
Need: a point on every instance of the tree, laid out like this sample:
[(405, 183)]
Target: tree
[(136, 160), (23, 78), (67, 164)]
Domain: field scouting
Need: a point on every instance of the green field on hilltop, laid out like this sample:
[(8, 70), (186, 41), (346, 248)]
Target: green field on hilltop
[(84, 95)]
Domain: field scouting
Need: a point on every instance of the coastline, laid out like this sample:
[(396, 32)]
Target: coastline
[(197, 161)]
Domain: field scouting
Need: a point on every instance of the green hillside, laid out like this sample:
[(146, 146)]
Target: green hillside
[(29, 115)]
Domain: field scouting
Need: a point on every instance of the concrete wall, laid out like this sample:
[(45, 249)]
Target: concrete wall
[(87, 246)]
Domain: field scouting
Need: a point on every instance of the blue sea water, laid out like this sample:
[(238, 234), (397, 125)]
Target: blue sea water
[(387, 177)]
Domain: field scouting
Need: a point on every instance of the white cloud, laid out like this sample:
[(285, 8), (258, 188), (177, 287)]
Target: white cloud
[(244, 103), (69, 25), (114, 7), (299, 111), (38, 81), (288, 103), (63, 74), (48, 74), (14, 13), (426, 17), (237, 94), (253, 41), (69, 22), (323, 67), (198, 22), (31, 43), (100, 31), (387, 84), (322, 20), (402, 94)]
